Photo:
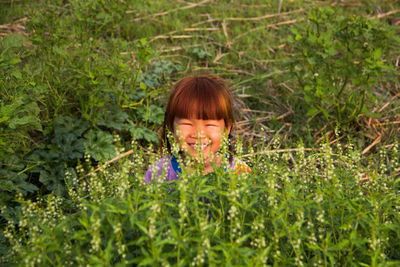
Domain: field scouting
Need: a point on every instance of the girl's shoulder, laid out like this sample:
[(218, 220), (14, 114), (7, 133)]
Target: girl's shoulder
[(240, 166), (161, 169)]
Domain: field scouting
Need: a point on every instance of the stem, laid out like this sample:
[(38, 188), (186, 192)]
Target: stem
[(358, 110), (343, 86), (339, 113), (325, 116), (147, 106)]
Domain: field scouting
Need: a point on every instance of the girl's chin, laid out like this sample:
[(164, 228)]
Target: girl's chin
[(195, 153)]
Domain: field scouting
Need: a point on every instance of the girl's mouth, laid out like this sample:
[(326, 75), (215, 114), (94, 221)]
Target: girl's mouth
[(196, 146)]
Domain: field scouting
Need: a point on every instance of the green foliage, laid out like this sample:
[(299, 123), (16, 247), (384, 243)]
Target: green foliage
[(312, 208), (339, 60), (12, 41), (75, 75), (152, 114), (67, 86), (17, 117), (200, 53), (99, 145), (12, 181), (101, 18), (113, 117), (165, 67), (142, 133)]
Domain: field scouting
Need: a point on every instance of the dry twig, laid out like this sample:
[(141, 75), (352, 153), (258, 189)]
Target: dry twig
[(14, 27), (123, 155), (267, 16), (386, 14), (269, 26), (170, 34), (169, 11), (377, 140)]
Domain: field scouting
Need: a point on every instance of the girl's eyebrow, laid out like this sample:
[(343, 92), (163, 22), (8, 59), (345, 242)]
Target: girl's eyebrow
[(183, 121)]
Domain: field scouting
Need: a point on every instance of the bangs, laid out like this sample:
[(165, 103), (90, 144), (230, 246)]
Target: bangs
[(201, 101)]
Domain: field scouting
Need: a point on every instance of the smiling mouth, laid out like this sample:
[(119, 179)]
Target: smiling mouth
[(196, 146)]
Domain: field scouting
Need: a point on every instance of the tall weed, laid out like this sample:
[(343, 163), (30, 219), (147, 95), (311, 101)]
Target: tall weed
[(324, 207)]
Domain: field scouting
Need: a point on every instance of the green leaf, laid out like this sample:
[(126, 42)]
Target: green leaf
[(143, 86), (340, 246), (17, 74), (52, 176), (147, 261), (28, 187), (14, 61), (155, 114), (7, 185), (64, 125), (22, 114), (12, 40), (27, 120), (200, 53), (369, 113), (100, 145), (68, 146), (307, 88), (143, 133), (312, 111), (143, 41), (113, 117), (377, 54)]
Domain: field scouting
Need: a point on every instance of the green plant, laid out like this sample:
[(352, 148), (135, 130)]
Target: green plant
[(338, 63), (309, 208), (200, 53)]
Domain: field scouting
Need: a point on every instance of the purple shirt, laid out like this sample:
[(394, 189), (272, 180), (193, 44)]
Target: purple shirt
[(171, 170)]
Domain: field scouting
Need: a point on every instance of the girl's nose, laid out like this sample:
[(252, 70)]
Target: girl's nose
[(198, 133)]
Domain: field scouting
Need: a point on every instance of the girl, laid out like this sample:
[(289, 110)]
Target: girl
[(199, 113)]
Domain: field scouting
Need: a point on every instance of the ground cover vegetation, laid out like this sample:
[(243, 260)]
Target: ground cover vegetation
[(316, 86)]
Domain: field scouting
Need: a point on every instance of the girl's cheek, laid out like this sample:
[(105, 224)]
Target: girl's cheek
[(180, 140), (216, 139)]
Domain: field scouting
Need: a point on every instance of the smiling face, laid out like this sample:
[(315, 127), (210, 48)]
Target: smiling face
[(199, 108), (194, 132)]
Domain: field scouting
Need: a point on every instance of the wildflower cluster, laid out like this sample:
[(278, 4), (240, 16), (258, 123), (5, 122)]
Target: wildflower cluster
[(298, 208)]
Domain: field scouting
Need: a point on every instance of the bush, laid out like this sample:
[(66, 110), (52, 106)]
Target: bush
[(338, 63), (309, 208)]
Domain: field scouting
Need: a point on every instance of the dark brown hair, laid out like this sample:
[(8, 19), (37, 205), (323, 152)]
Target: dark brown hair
[(203, 97)]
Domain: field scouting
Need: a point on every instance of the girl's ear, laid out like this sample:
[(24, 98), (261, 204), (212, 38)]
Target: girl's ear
[(228, 128)]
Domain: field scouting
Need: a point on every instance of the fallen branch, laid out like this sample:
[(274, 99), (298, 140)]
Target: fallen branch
[(168, 35), (377, 140), (284, 115), (14, 27), (169, 11), (275, 25), (172, 37), (177, 48), (388, 123), (267, 16), (386, 14), (123, 155)]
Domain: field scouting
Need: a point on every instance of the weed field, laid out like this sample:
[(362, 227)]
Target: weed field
[(83, 90)]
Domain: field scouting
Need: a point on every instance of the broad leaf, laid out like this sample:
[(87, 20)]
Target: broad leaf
[(100, 145)]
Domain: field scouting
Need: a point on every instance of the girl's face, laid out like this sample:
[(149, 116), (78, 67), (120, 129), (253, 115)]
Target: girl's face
[(194, 132)]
